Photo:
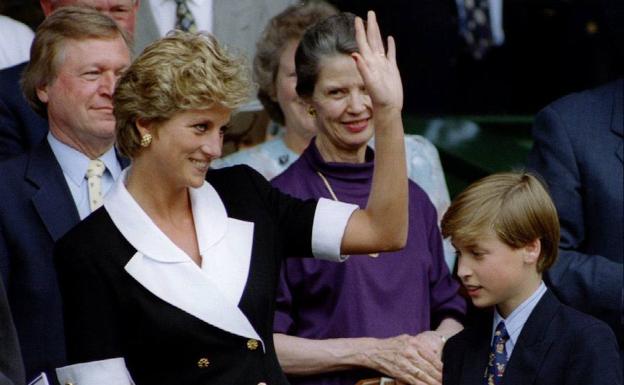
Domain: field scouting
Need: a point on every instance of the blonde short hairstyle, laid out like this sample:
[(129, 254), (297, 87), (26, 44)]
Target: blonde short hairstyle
[(515, 206), (63, 26), (183, 71)]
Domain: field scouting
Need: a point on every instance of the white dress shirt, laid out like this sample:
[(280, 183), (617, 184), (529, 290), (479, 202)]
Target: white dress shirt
[(518, 317), (74, 165)]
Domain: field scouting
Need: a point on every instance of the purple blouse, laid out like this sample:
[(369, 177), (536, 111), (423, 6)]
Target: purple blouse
[(399, 292)]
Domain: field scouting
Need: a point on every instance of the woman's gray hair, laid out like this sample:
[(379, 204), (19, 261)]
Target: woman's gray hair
[(330, 37)]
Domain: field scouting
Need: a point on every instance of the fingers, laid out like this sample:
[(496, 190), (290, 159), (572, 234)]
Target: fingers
[(361, 66), (391, 50), (373, 34), (360, 37)]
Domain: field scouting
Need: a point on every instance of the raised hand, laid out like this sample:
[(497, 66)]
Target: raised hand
[(378, 67)]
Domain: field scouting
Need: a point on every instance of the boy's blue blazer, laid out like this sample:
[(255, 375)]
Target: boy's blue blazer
[(557, 346)]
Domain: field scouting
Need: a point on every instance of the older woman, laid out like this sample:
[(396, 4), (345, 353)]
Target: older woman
[(338, 324), (274, 70), (173, 280)]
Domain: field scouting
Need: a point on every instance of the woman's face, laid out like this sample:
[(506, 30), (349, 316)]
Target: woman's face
[(296, 118), (183, 146), (343, 107)]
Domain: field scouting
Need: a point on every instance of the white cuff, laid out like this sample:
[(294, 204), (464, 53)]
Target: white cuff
[(106, 372), (330, 221)]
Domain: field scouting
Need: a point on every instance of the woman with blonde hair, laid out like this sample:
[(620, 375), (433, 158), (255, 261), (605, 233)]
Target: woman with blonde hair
[(173, 281)]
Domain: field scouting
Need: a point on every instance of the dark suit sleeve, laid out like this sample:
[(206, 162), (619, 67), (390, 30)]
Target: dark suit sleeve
[(88, 299), (591, 283), (294, 217), (11, 367), (594, 359)]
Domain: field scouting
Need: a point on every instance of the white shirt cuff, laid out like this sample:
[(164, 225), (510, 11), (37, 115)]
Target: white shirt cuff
[(330, 221), (106, 372)]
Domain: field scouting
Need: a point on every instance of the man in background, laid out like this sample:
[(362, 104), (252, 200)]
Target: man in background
[(20, 127), (77, 56)]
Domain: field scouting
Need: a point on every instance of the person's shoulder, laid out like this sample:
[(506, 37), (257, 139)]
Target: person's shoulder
[(587, 102), (92, 231), (575, 323), (295, 171), (418, 143), (236, 179)]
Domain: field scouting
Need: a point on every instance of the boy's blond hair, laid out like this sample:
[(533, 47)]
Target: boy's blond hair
[(515, 206)]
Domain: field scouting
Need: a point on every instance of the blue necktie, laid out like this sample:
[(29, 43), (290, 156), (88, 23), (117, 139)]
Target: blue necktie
[(498, 357)]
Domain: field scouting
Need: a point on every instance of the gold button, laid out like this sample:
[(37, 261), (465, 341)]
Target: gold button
[(252, 344), (203, 363)]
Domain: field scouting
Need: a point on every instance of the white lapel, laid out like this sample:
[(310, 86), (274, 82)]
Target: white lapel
[(210, 293)]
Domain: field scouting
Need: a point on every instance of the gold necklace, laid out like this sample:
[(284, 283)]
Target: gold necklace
[(333, 195)]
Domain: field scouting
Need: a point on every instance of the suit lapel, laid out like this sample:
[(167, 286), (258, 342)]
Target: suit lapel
[(53, 201), (533, 343), (617, 118), (210, 293)]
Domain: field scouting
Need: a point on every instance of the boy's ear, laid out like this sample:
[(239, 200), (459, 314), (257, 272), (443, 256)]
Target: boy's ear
[(532, 251)]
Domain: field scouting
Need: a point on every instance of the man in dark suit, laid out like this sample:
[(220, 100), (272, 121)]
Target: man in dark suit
[(45, 191), (20, 127), (11, 368), (578, 150)]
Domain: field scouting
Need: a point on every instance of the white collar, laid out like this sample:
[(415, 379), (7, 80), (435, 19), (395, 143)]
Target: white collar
[(210, 293), (208, 213)]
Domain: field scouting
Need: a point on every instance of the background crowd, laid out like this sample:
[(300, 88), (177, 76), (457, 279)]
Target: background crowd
[(188, 274)]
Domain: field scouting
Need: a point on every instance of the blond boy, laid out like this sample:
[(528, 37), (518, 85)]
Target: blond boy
[(506, 233)]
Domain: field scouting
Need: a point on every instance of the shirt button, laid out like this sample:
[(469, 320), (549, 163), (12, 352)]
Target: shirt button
[(203, 363), (252, 344)]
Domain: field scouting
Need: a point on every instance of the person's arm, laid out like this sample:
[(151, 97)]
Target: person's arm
[(590, 283), (410, 359), (91, 317), (406, 358), (382, 226)]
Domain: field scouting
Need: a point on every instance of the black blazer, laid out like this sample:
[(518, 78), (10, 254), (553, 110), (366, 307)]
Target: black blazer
[(557, 346), (109, 313)]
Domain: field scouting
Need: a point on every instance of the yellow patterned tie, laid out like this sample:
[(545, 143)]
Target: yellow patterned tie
[(94, 183), (184, 18)]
